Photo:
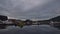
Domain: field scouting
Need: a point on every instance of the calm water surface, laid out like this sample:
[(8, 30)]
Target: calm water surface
[(32, 29)]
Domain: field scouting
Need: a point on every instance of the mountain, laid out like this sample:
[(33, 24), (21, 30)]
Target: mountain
[(3, 18), (56, 19)]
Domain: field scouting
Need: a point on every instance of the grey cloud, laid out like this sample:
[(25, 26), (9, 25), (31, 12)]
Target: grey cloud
[(13, 8), (48, 11)]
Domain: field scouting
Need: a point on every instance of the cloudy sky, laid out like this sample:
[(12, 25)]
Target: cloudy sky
[(30, 9)]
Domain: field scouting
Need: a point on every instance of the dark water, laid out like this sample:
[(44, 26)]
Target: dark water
[(33, 29)]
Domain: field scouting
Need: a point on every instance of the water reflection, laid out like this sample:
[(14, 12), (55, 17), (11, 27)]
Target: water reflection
[(57, 27), (32, 29)]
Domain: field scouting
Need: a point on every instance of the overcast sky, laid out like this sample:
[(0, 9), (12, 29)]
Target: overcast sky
[(30, 9)]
